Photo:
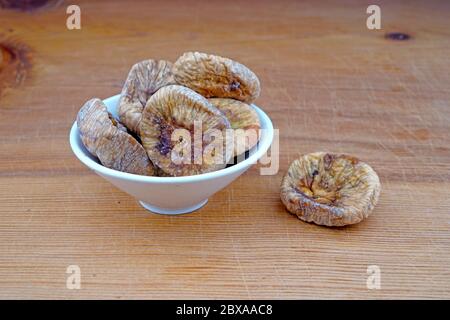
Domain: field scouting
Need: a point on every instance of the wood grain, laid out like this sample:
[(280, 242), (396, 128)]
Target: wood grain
[(328, 83)]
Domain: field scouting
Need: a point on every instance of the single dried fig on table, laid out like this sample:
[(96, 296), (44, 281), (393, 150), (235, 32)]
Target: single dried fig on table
[(330, 189), (108, 140), (183, 133), (215, 76), (144, 79), (243, 120)]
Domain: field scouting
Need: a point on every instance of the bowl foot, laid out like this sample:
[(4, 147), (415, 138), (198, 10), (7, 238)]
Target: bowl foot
[(159, 210)]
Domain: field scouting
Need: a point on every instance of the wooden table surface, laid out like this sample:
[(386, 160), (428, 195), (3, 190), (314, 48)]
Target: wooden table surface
[(328, 83)]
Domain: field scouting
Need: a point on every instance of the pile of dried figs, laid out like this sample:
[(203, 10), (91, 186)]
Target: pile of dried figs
[(195, 116), (190, 117)]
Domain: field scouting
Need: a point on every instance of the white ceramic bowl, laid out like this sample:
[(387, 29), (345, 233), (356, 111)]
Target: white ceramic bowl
[(172, 195)]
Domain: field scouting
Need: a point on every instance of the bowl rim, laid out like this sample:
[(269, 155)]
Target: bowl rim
[(262, 147)]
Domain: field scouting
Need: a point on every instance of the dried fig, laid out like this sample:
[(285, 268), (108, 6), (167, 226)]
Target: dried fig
[(330, 189), (183, 133), (160, 173), (214, 76), (107, 139), (144, 79), (243, 120)]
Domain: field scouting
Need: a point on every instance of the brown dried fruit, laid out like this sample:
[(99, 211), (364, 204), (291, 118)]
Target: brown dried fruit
[(243, 120), (160, 173), (144, 79), (330, 189), (215, 76), (171, 131), (108, 140)]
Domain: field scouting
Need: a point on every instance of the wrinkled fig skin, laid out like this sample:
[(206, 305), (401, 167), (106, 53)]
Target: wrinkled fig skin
[(241, 116), (144, 79), (108, 140), (160, 173), (330, 189), (176, 107), (214, 76)]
